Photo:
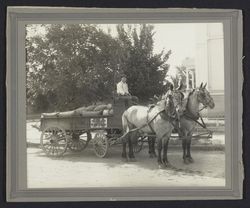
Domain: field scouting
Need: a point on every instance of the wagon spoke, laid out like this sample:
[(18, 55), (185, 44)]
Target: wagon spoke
[(53, 141), (76, 144), (100, 144)]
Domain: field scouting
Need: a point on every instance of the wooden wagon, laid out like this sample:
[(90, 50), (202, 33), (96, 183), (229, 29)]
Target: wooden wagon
[(63, 131)]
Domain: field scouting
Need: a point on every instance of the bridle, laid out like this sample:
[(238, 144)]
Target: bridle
[(207, 99), (190, 115)]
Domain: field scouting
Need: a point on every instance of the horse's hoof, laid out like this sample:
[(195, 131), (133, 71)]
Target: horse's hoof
[(161, 166), (152, 155), (124, 159), (190, 159), (132, 160), (168, 165), (186, 161)]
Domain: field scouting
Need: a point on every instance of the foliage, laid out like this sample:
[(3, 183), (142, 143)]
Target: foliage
[(74, 65), (145, 71)]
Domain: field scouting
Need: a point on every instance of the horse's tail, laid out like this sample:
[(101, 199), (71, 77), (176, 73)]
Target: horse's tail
[(125, 125)]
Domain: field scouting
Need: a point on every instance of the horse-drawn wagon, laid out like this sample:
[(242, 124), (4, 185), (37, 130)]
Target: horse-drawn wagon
[(73, 130)]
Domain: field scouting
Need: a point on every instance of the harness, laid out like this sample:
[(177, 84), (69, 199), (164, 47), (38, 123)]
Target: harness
[(172, 120), (150, 121), (195, 119), (190, 116)]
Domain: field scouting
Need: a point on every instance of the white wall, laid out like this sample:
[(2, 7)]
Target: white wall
[(215, 57), (209, 63)]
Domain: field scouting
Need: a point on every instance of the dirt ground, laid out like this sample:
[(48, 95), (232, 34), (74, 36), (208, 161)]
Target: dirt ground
[(86, 170)]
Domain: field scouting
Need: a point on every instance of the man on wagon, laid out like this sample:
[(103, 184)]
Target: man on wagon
[(122, 91)]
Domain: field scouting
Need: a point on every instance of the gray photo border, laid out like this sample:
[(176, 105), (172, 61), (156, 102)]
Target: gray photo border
[(18, 17)]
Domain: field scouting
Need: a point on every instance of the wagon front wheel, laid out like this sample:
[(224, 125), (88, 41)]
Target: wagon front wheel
[(54, 141), (100, 144)]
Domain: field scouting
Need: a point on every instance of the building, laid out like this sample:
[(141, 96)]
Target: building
[(209, 64), (189, 65)]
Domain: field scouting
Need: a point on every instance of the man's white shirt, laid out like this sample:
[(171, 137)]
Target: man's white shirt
[(122, 88)]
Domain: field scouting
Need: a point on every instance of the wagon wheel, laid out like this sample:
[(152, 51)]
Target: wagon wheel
[(78, 143), (137, 146), (54, 141), (100, 144)]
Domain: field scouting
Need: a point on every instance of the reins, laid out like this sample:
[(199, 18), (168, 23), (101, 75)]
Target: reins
[(202, 108), (195, 118)]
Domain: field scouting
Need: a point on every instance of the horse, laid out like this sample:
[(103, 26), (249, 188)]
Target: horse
[(178, 97), (158, 120), (190, 117)]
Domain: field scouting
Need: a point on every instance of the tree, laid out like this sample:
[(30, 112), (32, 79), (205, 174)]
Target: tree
[(145, 70), (71, 66), (75, 65)]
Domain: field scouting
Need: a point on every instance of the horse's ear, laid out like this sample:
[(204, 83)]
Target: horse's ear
[(201, 85), (205, 86)]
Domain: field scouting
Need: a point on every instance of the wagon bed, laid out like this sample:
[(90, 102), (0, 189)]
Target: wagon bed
[(62, 131)]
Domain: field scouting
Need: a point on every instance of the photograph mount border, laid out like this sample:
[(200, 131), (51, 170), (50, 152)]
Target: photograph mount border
[(18, 17)]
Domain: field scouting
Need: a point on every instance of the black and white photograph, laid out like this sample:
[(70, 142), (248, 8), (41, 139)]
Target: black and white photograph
[(125, 105)]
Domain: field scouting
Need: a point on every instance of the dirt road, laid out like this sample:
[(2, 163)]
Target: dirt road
[(86, 170)]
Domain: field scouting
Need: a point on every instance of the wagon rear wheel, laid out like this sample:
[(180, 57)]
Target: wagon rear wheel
[(78, 143), (100, 144), (54, 141)]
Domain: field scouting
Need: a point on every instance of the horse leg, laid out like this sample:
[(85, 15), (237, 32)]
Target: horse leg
[(165, 152), (189, 157), (124, 152), (151, 145), (124, 148), (130, 147), (184, 147), (159, 148)]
